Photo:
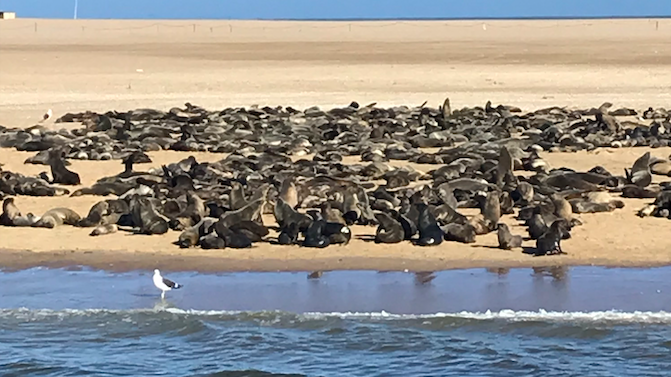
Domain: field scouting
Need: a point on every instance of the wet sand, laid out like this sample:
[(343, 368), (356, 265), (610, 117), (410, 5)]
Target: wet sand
[(104, 65)]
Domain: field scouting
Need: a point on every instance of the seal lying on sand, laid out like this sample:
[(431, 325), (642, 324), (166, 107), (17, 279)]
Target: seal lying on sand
[(104, 229), (57, 216)]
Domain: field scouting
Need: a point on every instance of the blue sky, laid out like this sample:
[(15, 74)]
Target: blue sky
[(300, 9)]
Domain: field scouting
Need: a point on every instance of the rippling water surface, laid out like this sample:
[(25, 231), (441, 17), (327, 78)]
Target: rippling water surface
[(549, 322)]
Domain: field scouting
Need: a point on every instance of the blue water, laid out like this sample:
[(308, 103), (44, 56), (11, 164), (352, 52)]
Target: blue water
[(550, 322)]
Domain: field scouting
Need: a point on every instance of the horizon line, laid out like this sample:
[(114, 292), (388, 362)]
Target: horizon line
[(346, 19)]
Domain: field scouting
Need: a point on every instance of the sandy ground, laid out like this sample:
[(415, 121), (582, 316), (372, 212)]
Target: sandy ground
[(103, 65)]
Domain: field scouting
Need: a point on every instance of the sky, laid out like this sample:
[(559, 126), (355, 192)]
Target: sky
[(335, 9)]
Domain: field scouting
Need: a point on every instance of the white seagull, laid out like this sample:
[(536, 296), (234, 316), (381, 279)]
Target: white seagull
[(164, 284), (47, 115)]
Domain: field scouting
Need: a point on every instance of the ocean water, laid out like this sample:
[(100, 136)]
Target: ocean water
[(581, 321)]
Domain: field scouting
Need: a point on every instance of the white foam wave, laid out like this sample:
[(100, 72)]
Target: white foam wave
[(613, 316)]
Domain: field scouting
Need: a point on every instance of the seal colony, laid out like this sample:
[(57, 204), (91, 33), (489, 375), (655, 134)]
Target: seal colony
[(288, 163)]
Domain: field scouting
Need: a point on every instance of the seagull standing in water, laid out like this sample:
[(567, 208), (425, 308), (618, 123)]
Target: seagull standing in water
[(164, 284)]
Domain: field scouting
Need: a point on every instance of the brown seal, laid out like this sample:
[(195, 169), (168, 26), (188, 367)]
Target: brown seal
[(9, 212), (58, 216), (506, 239), (104, 229)]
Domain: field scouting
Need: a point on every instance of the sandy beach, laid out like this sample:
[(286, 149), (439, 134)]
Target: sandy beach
[(72, 66)]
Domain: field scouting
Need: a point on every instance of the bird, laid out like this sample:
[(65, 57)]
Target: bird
[(164, 284), (47, 115)]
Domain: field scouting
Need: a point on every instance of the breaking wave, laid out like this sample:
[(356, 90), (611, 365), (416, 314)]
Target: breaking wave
[(610, 316)]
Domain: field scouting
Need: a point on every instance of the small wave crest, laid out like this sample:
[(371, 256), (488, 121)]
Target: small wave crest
[(610, 316)]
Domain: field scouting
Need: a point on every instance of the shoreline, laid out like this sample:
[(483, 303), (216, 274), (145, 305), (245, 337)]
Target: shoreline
[(114, 261)]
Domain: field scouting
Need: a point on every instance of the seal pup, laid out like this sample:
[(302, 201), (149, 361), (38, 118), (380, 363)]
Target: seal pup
[(550, 242), (57, 216), (9, 212), (59, 172), (640, 174), (104, 229), (26, 221), (389, 230), (506, 239), (164, 284)]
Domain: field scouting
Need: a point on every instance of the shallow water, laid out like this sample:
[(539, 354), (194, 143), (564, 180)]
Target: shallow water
[(546, 322)]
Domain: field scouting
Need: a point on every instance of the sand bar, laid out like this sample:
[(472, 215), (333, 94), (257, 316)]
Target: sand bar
[(105, 65)]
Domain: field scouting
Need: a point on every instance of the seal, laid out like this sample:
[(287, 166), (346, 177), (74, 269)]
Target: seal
[(232, 239), (237, 196), (57, 216), (523, 194), (251, 229), (247, 213), (288, 234), (9, 212), (288, 192), (640, 174), (322, 233), (145, 217), (389, 229), (104, 229), (27, 221), (536, 226), (562, 207), (95, 215), (192, 236), (550, 242), (285, 215), (430, 233), (506, 239), (59, 172), (491, 210), (464, 233)]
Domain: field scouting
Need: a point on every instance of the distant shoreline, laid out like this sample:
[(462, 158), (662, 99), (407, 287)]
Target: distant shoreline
[(217, 261), (400, 19)]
